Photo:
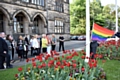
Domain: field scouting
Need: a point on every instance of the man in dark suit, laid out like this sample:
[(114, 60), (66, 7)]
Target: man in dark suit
[(93, 48), (61, 43), (4, 52)]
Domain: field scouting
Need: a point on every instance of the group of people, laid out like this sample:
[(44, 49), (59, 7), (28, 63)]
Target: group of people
[(45, 44), (37, 44)]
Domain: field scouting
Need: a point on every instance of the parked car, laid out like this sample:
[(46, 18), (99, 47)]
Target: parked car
[(82, 37), (74, 37)]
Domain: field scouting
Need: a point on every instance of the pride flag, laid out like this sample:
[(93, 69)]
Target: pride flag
[(100, 33)]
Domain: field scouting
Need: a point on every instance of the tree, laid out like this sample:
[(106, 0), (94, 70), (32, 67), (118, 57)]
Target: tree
[(77, 16), (102, 15), (110, 15), (96, 13)]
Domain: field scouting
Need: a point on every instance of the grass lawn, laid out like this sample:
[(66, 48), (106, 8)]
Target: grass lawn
[(111, 67)]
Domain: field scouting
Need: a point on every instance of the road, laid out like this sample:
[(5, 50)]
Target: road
[(74, 44)]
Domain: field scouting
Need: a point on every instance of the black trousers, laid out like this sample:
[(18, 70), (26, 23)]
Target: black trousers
[(2, 59), (35, 51), (12, 53), (44, 50), (7, 60), (26, 54), (39, 50), (53, 47), (32, 51), (21, 53), (61, 45)]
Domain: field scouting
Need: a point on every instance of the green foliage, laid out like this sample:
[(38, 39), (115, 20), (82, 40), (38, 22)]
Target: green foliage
[(77, 17), (102, 15)]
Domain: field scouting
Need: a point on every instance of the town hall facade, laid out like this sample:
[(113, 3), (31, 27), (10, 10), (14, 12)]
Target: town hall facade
[(20, 17)]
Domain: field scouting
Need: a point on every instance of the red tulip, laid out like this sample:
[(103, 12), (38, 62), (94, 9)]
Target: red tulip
[(100, 56), (74, 65), (16, 75), (39, 66), (27, 60), (82, 69), (34, 64), (33, 59), (83, 57), (74, 61), (58, 63), (43, 65), (62, 67), (51, 62), (68, 64), (20, 69), (49, 65), (56, 66)]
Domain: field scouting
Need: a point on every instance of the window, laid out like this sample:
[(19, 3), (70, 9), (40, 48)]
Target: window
[(34, 1), (42, 2), (18, 24), (38, 2), (59, 27), (25, 0), (35, 28), (59, 5)]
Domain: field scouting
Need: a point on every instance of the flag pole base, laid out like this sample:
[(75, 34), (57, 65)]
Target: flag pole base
[(86, 60)]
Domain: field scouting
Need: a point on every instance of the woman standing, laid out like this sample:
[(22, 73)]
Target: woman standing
[(44, 43), (8, 40), (53, 42), (49, 43), (20, 48), (35, 45), (26, 45), (13, 49)]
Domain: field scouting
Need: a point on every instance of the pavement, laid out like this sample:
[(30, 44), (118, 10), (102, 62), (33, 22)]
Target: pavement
[(19, 63)]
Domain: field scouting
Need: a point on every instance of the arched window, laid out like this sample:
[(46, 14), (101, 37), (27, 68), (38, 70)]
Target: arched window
[(18, 23), (35, 27)]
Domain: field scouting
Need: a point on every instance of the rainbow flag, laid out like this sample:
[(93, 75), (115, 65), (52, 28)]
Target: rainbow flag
[(100, 33)]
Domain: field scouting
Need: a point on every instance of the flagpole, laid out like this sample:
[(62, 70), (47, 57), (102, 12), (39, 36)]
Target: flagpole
[(87, 30), (116, 19), (91, 32)]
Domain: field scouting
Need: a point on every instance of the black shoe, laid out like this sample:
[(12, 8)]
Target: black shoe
[(11, 66)]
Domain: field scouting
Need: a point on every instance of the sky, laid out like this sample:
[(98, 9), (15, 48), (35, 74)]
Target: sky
[(105, 2)]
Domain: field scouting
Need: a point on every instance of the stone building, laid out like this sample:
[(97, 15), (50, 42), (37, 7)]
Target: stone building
[(20, 17)]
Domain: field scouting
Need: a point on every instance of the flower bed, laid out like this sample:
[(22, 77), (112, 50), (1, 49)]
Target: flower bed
[(70, 66), (110, 49)]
